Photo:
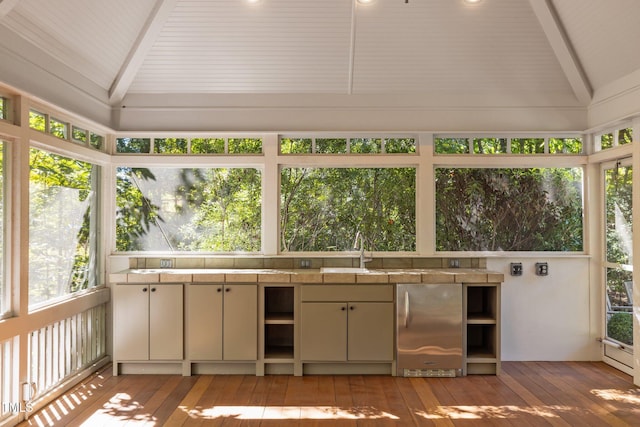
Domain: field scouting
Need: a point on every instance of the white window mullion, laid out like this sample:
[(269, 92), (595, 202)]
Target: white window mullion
[(270, 195), (425, 196)]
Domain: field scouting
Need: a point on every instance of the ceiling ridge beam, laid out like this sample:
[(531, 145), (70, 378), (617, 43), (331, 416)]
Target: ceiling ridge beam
[(140, 49), (6, 6), (563, 49)]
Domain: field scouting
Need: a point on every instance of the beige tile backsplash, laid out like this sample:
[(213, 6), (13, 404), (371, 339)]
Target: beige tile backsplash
[(288, 263)]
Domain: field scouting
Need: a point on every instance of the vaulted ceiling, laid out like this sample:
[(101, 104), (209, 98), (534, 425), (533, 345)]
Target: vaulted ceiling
[(236, 53)]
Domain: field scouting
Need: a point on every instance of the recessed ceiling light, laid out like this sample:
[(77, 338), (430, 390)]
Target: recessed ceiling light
[(472, 1), (365, 1)]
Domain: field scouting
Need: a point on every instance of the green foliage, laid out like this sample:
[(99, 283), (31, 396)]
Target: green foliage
[(606, 141), (135, 213), (620, 327), (245, 145), (527, 145), (207, 145), (508, 209), (78, 134), (489, 145), (619, 205), (96, 141), (331, 145), (565, 145), (322, 209), (211, 210), (400, 145), (295, 145), (58, 129), (37, 121), (451, 145), (170, 145), (625, 136), (61, 248), (133, 145), (365, 145), (226, 206), (356, 145)]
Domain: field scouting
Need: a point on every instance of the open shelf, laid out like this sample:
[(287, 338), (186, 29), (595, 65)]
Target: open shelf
[(481, 302), (279, 324), (279, 319), (482, 336), (481, 341)]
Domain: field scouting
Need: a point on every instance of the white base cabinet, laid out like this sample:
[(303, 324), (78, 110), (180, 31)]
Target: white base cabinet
[(346, 323), (222, 322), (147, 323)]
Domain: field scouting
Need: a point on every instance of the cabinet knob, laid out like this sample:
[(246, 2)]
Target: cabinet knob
[(227, 289), (351, 307), (144, 289), (343, 308), (219, 290), (153, 289)]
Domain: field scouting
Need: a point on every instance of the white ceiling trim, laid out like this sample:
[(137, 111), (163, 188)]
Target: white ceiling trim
[(6, 6), (563, 50), (140, 49)]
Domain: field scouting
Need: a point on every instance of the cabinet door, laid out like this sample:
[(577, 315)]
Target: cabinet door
[(323, 331), (240, 324), (204, 322), (166, 322), (131, 322), (370, 331)]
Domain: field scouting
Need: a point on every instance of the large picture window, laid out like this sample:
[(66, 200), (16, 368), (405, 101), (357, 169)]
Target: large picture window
[(510, 209), (188, 209), (322, 209), (62, 226)]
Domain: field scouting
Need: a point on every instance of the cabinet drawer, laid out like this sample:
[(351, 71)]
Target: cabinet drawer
[(346, 293)]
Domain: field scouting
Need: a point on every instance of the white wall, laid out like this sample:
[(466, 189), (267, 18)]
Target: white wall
[(554, 317)]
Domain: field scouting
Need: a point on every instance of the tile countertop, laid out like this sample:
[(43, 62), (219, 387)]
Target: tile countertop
[(311, 276)]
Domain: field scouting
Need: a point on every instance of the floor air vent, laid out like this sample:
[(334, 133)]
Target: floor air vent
[(430, 373)]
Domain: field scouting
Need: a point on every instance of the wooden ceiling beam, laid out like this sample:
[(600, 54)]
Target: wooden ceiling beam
[(563, 49)]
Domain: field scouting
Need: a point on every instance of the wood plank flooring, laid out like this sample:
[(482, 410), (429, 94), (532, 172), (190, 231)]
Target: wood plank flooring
[(525, 394)]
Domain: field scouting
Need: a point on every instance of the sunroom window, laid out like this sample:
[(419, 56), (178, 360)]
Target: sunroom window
[(188, 209), (510, 209), (322, 209), (62, 226)]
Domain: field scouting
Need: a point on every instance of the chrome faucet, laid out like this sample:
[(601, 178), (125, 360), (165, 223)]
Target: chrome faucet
[(363, 259)]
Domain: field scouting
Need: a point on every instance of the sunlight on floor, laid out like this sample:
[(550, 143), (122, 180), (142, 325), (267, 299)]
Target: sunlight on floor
[(630, 396), (483, 412), (121, 408), (291, 413)]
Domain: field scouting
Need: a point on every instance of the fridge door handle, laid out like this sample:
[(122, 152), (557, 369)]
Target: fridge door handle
[(406, 309)]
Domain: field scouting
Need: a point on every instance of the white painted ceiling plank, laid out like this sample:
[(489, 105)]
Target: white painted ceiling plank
[(6, 6), (140, 48), (562, 48)]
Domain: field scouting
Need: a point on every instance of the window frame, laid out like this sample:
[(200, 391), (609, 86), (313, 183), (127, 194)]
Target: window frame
[(96, 220), (424, 159), (497, 161)]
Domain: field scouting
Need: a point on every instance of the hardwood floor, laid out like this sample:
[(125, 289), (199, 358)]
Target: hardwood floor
[(525, 394)]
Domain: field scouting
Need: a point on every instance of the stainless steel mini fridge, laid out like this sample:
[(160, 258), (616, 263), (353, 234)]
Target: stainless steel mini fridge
[(429, 330)]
